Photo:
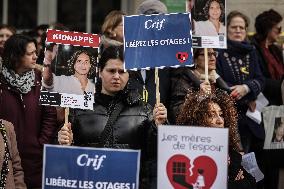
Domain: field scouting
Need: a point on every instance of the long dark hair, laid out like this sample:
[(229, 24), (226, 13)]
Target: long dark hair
[(15, 49), (265, 21)]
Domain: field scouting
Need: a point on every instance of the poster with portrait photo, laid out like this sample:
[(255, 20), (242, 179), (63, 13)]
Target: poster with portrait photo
[(273, 119), (69, 69), (209, 23)]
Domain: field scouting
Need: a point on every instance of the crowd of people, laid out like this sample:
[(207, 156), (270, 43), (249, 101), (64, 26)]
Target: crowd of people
[(125, 114)]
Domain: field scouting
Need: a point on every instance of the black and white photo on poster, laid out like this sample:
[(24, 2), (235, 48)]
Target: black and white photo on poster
[(273, 119)]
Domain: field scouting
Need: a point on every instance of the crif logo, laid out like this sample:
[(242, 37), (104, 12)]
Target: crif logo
[(84, 160)]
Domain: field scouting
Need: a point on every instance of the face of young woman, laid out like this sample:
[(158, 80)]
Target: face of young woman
[(28, 61), (5, 34), (200, 60), (215, 118), (274, 33), (113, 76), (237, 29), (214, 11), (82, 65), (280, 131)]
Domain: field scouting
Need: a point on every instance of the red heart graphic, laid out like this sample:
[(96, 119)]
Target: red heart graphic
[(182, 56), (183, 176)]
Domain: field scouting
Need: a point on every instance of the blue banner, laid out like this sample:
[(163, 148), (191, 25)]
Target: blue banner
[(92, 168), (162, 40)]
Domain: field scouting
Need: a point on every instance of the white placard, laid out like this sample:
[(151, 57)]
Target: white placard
[(192, 157), (273, 119)]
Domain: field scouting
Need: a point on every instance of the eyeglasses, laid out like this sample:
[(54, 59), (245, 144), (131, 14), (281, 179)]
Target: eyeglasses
[(209, 54)]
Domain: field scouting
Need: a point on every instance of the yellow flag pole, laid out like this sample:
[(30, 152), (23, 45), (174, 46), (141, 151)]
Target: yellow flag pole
[(157, 81)]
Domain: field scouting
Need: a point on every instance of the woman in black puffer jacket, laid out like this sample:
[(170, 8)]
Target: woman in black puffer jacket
[(133, 127)]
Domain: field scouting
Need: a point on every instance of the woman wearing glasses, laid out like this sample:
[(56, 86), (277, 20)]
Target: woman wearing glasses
[(268, 30), (185, 78)]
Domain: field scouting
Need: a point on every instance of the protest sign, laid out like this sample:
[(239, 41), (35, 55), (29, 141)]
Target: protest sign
[(69, 68), (192, 157), (80, 167), (209, 23), (162, 40), (273, 119)]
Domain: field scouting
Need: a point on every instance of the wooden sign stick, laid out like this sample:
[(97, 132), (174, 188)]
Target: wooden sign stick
[(157, 81)]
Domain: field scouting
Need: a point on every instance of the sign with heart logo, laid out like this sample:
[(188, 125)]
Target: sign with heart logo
[(192, 157), (186, 173)]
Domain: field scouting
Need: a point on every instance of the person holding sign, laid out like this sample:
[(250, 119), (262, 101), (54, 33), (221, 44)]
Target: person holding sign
[(185, 78), (214, 11), (120, 118), (20, 84), (12, 175), (218, 110), (80, 66)]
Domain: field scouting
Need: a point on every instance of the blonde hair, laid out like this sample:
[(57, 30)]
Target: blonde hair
[(112, 20)]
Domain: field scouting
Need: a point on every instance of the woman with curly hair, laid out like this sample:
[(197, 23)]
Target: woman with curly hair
[(218, 110), (214, 12), (80, 66)]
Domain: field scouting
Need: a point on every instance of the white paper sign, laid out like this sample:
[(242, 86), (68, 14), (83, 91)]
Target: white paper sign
[(250, 165), (261, 102), (273, 119), (192, 157)]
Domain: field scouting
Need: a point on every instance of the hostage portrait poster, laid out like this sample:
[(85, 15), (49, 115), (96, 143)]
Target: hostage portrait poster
[(69, 69)]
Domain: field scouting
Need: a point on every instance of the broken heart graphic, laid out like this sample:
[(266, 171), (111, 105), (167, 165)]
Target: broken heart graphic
[(184, 173), (182, 56)]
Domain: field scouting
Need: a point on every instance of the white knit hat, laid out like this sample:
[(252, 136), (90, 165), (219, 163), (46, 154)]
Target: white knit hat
[(152, 7)]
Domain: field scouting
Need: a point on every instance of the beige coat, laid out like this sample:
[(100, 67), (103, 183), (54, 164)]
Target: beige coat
[(15, 177)]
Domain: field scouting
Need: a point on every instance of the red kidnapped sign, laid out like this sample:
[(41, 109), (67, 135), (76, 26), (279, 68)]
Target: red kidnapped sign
[(73, 38)]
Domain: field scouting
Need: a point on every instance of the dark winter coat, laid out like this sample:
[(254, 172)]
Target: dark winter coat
[(242, 56), (34, 124), (272, 89), (133, 129)]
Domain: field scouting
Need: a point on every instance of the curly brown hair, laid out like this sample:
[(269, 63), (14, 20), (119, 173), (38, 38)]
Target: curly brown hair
[(207, 7), (73, 59), (195, 110)]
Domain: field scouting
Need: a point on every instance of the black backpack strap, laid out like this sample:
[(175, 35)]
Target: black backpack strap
[(106, 137)]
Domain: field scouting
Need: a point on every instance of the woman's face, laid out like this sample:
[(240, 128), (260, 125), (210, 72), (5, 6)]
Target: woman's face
[(113, 76), (237, 29), (280, 131), (214, 11), (82, 65), (5, 34), (118, 32), (215, 117), (28, 61), (274, 33), (200, 60)]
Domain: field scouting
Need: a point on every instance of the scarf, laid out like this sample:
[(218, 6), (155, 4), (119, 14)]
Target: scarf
[(23, 83), (5, 167)]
